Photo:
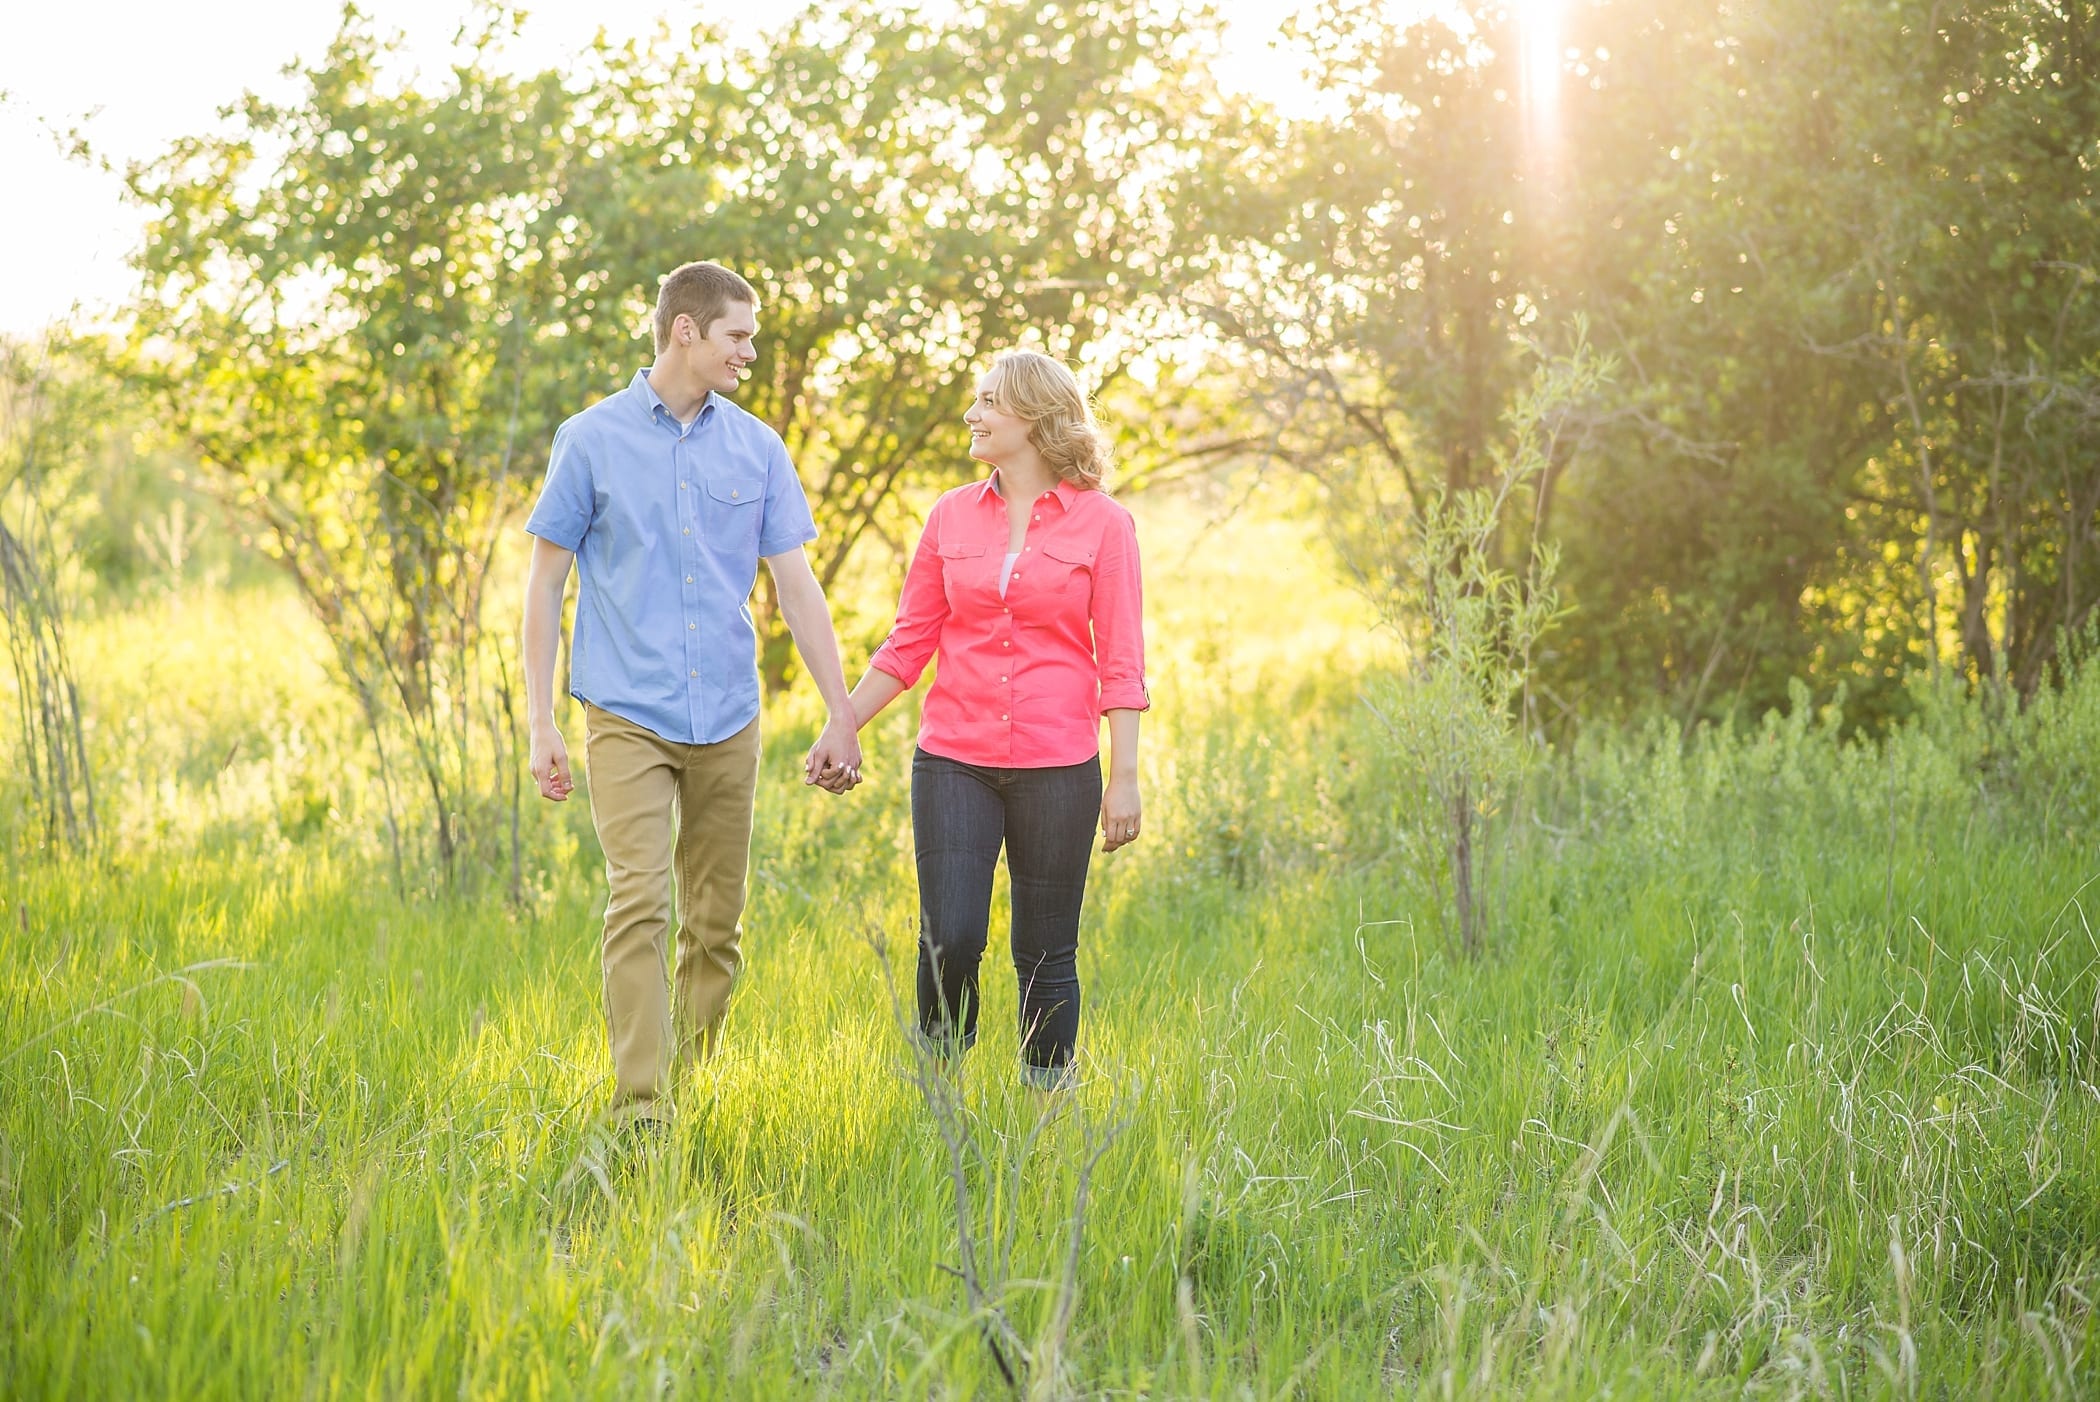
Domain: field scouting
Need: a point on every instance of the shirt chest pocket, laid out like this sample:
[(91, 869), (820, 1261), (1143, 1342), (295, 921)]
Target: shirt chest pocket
[(730, 512), (1070, 567), (961, 566)]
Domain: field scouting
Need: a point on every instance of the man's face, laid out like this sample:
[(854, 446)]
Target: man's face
[(718, 359)]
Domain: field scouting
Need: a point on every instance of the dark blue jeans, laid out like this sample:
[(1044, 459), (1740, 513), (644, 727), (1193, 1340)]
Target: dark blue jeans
[(961, 814)]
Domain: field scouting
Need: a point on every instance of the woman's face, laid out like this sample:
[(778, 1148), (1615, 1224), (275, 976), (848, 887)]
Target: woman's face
[(996, 435)]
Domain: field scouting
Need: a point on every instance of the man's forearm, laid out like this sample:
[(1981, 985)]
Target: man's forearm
[(809, 624), (541, 639), (546, 581)]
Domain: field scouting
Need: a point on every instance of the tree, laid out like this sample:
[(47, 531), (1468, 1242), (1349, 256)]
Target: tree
[(1841, 252), (1470, 619), (1973, 216), (910, 193), (362, 340), (1381, 274), (1726, 454), (369, 336)]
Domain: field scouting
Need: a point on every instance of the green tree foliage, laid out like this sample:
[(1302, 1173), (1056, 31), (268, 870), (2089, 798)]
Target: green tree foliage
[(367, 309), (1972, 196), (1378, 286), (1843, 253), (910, 193), (1860, 440), (354, 311)]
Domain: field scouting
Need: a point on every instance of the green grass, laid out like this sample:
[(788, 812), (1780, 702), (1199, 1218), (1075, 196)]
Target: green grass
[(1778, 1078)]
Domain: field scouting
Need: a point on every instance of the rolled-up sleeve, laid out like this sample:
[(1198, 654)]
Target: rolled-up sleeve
[(569, 496), (1118, 616), (921, 610)]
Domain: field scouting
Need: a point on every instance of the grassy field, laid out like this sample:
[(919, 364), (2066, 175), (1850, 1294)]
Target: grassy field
[(1778, 1078)]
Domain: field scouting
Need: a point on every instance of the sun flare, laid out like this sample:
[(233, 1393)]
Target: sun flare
[(1539, 59)]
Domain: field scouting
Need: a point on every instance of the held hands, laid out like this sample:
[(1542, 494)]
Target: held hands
[(1120, 812), (833, 763), (550, 764)]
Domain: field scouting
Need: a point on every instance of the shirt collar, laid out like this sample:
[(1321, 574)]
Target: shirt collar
[(1065, 492), (653, 405)]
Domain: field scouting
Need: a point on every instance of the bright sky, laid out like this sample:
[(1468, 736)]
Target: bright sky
[(133, 76)]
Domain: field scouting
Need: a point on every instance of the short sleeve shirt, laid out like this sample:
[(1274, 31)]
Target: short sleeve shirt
[(668, 522)]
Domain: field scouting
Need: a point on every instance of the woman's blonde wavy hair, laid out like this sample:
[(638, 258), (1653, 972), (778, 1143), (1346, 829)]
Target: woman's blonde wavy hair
[(1040, 389)]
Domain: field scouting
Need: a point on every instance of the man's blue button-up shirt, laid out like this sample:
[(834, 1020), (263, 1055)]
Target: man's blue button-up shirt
[(668, 521)]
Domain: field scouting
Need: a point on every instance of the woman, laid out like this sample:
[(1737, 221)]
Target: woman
[(1026, 585)]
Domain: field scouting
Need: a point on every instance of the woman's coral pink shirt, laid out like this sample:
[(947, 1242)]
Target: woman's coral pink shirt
[(1023, 679)]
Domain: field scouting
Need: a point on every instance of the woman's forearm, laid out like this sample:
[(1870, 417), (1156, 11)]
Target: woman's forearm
[(874, 691), (1122, 743)]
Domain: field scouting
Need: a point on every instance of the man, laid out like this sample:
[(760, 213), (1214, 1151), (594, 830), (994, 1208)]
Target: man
[(665, 496)]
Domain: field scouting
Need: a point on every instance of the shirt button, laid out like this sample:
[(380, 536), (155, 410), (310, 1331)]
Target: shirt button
[(1002, 715), (681, 486), (691, 626), (1038, 518), (688, 530), (688, 579), (732, 494), (692, 674)]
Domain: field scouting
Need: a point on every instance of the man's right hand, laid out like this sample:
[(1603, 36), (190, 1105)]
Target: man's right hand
[(550, 763), (833, 763)]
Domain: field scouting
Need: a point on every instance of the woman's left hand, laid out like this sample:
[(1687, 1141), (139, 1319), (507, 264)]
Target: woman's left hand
[(1119, 814)]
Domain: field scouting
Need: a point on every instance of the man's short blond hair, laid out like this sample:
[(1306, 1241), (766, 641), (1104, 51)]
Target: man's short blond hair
[(702, 291)]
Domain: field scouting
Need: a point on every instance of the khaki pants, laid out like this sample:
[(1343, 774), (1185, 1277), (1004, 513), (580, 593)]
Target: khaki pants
[(652, 800)]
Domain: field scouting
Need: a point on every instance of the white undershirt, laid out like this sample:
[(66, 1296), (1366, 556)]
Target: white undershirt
[(1006, 571)]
